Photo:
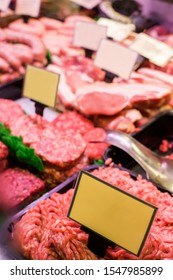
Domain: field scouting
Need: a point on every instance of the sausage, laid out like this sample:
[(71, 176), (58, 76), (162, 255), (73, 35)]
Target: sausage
[(10, 57), (30, 40), (51, 24), (22, 52), (2, 35), (74, 18), (32, 27), (5, 78), (4, 65)]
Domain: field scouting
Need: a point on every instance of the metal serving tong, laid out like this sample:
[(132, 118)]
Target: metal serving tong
[(158, 169)]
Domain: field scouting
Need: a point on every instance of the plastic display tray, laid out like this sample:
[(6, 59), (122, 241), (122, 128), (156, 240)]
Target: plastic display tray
[(151, 135), (7, 250), (12, 90)]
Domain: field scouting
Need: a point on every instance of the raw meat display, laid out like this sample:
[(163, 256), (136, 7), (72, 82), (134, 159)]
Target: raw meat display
[(45, 232), (62, 144), (18, 186), (66, 148), (3, 156), (76, 123), (87, 105), (17, 49)]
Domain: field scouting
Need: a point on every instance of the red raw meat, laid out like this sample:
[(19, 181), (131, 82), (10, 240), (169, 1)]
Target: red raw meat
[(95, 151), (10, 111), (45, 232), (72, 121), (17, 187), (62, 149)]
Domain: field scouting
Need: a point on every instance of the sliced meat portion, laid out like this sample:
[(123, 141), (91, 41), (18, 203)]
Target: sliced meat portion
[(81, 64), (71, 51), (152, 100), (117, 122), (62, 149), (76, 79), (96, 103), (156, 74), (55, 42), (17, 187), (65, 93), (109, 99)]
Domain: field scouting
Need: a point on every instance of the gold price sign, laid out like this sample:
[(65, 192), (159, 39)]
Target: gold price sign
[(41, 85), (111, 213)]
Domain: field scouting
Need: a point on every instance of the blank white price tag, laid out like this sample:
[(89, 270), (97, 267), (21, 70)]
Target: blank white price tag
[(28, 7), (115, 58), (88, 4), (156, 51), (88, 35), (4, 4), (117, 30)]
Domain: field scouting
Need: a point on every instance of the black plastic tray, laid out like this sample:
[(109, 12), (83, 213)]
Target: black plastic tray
[(151, 135), (12, 90), (7, 251)]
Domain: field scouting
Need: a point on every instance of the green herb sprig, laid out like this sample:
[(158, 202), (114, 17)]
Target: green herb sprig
[(19, 150)]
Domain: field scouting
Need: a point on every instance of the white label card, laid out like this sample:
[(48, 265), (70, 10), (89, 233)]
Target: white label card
[(115, 58), (4, 4), (88, 4), (117, 30), (88, 35), (28, 7), (156, 51)]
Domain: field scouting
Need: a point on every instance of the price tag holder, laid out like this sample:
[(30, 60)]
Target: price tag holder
[(111, 213), (4, 4), (41, 86), (88, 4), (156, 51), (88, 35), (115, 58), (117, 30), (28, 7)]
